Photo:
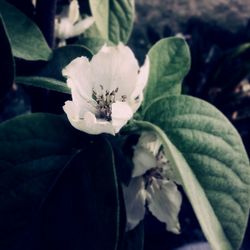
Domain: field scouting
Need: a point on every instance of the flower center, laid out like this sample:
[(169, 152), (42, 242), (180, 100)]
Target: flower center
[(156, 172), (104, 101)]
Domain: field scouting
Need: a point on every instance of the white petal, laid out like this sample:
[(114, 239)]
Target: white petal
[(34, 3), (143, 160), (88, 123), (134, 198), (81, 26), (150, 141), (75, 113), (71, 110), (73, 13), (137, 95), (164, 202), (63, 28), (121, 113), (79, 79), (115, 67)]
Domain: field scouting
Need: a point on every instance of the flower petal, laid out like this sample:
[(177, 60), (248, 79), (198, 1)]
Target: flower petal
[(164, 201), (73, 13), (143, 160), (121, 113), (134, 198), (150, 141), (115, 67), (71, 110), (81, 26), (63, 28), (79, 78), (88, 123), (137, 95)]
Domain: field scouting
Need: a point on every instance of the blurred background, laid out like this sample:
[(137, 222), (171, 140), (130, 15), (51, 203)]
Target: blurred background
[(218, 33)]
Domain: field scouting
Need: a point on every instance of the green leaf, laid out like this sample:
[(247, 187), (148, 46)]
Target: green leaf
[(6, 61), (94, 44), (44, 82), (92, 32), (134, 239), (26, 39), (58, 186), (114, 18), (83, 204), (210, 160), (61, 58), (33, 150), (169, 64)]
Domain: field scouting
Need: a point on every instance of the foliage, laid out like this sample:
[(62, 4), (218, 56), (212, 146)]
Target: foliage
[(60, 187)]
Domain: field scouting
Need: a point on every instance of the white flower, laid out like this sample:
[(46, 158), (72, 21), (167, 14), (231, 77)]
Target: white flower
[(106, 91), (69, 24), (34, 3), (152, 184)]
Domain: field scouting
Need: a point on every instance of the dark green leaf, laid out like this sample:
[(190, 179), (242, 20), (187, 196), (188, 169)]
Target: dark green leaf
[(169, 64), (82, 210), (26, 39), (58, 187), (6, 61), (61, 58), (123, 163), (114, 18), (33, 150), (134, 239), (44, 82), (211, 163)]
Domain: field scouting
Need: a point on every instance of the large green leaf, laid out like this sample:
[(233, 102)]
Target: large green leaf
[(84, 203), (6, 61), (210, 160), (58, 186), (114, 18), (26, 39), (169, 64), (44, 82), (61, 58), (33, 149)]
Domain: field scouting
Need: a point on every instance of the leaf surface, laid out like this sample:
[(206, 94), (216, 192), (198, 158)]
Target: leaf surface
[(6, 62), (169, 64), (114, 18), (33, 150), (44, 82), (210, 161), (27, 41)]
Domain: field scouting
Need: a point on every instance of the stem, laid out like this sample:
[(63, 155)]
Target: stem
[(45, 18)]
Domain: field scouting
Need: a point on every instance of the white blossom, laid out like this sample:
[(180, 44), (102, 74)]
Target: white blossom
[(69, 23), (152, 185), (106, 91), (34, 3)]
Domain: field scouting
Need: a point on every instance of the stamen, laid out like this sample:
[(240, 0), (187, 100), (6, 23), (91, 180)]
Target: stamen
[(160, 171), (124, 97), (156, 172), (104, 102)]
